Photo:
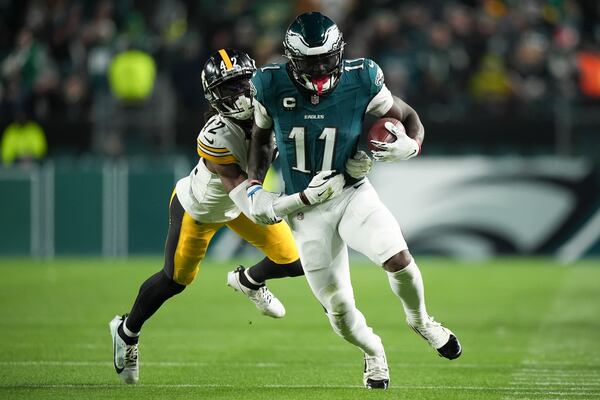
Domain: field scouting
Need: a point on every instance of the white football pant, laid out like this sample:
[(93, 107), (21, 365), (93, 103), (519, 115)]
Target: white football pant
[(356, 218)]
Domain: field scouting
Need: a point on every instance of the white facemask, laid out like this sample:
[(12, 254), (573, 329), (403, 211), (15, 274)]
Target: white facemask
[(244, 108)]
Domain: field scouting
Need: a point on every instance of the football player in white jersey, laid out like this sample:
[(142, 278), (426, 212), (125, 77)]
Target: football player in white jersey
[(213, 196), (318, 126)]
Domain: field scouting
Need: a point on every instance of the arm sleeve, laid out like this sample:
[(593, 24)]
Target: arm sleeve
[(287, 204), (240, 199)]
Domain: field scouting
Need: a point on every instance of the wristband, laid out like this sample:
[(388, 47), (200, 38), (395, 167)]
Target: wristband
[(253, 189), (304, 199)]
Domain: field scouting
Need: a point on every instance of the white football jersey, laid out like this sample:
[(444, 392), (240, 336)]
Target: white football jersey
[(202, 194)]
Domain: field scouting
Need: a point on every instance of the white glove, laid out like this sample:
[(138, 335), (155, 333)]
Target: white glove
[(401, 149), (359, 166), (323, 186), (261, 205)]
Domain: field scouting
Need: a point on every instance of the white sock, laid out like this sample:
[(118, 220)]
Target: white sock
[(128, 332), (407, 284)]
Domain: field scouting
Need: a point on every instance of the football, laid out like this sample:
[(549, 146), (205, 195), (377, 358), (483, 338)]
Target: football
[(378, 132)]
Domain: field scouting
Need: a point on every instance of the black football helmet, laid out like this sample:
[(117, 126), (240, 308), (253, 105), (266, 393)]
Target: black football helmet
[(226, 83), (314, 45)]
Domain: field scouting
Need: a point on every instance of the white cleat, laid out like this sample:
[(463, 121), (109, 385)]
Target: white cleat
[(125, 356), (376, 374), (262, 298), (439, 337)]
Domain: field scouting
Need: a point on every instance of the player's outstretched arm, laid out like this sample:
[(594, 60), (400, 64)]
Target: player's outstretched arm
[(324, 186), (235, 182), (273, 206)]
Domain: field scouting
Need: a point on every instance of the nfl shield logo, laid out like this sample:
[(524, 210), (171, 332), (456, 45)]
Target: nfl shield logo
[(314, 99)]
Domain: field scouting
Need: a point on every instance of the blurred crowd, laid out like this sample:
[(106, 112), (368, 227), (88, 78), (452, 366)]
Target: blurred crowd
[(57, 57)]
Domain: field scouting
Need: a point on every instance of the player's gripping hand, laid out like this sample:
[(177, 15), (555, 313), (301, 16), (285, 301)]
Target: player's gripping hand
[(261, 204), (403, 148), (323, 186), (359, 166)]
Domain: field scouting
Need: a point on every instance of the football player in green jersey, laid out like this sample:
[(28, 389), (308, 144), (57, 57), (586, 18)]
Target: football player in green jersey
[(315, 104)]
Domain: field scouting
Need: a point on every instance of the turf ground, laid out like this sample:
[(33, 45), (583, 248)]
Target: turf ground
[(530, 330)]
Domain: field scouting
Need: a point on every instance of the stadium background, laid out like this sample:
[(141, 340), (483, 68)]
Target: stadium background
[(100, 105), (113, 89)]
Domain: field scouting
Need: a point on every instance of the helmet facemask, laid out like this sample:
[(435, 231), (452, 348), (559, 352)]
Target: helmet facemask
[(232, 98), (226, 83), (318, 73)]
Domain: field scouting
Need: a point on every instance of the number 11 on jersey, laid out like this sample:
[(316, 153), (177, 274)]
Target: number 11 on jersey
[(328, 135)]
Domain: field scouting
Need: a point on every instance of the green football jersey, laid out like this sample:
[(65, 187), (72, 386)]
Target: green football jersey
[(316, 133)]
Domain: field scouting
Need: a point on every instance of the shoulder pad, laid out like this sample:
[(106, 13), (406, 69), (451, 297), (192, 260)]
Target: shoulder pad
[(212, 142), (375, 73)]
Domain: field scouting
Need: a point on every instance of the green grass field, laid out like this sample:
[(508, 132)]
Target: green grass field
[(530, 329)]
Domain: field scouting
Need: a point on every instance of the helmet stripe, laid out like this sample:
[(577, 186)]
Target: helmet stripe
[(226, 59)]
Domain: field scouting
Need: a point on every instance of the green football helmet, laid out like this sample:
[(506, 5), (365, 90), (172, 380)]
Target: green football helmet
[(313, 43)]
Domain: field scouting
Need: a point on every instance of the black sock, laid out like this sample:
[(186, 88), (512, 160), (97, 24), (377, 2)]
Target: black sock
[(244, 281), (127, 339), (153, 293), (267, 269)]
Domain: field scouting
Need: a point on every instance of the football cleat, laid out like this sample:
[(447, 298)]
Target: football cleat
[(262, 297), (125, 356), (440, 338), (376, 373)]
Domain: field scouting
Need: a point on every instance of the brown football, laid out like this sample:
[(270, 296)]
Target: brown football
[(378, 132)]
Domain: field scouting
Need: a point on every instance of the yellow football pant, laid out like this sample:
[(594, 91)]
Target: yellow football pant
[(188, 240)]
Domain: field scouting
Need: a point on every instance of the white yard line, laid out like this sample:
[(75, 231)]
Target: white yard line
[(535, 391), (556, 383), (166, 364), (521, 372)]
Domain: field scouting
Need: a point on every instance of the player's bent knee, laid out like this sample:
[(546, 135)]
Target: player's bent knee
[(343, 322), (174, 287), (340, 303), (398, 261), (184, 278)]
